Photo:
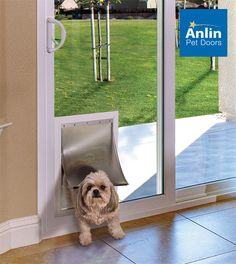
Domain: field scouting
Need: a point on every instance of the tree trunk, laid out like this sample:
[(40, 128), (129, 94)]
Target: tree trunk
[(93, 44), (108, 42), (99, 45)]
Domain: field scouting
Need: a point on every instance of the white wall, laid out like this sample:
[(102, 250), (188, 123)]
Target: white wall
[(227, 65)]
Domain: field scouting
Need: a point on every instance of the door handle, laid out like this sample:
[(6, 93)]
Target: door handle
[(51, 43)]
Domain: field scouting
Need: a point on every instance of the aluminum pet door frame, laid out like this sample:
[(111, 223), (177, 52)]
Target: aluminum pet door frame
[(88, 140), (89, 146)]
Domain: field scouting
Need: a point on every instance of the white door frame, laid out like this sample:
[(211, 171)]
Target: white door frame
[(52, 225)]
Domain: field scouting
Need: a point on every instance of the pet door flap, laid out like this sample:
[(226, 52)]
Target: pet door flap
[(87, 147)]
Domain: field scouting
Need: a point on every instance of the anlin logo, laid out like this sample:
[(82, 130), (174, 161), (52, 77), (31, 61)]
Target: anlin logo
[(203, 32), (193, 36)]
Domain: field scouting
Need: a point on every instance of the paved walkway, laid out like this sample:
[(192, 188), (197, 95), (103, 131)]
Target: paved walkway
[(205, 152)]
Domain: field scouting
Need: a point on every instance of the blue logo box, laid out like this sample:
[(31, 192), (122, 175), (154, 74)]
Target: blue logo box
[(203, 32)]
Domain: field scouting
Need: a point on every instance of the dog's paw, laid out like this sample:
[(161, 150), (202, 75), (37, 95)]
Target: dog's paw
[(85, 239), (117, 233)]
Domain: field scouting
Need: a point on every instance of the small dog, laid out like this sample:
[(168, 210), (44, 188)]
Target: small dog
[(96, 202)]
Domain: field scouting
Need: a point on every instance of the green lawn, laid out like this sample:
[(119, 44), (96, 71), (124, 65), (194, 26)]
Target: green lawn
[(196, 87), (132, 90)]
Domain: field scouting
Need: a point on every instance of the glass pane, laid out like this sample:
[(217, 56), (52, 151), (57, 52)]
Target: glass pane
[(132, 89), (205, 129)]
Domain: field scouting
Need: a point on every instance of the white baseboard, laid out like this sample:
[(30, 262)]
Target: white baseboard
[(19, 232)]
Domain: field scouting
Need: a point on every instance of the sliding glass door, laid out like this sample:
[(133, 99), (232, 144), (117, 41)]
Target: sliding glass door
[(109, 63), (108, 60), (205, 115)]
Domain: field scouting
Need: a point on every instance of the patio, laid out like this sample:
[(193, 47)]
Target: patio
[(205, 152)]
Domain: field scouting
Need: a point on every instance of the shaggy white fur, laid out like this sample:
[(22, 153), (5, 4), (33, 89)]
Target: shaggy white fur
[(96, 201)]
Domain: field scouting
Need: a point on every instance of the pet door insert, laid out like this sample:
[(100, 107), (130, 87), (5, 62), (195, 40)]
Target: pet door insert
[(87, 146)]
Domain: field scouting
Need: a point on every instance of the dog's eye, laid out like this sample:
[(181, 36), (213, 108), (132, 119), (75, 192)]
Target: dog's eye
[(103, 187), (89, 187)]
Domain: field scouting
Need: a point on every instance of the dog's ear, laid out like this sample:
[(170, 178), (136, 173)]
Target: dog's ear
[(113, 202), (80, 204)]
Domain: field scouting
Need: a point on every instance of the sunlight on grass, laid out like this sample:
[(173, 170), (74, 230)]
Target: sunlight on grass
[(132, 90)]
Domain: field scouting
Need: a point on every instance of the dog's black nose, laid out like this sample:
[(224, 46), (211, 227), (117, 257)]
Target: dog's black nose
[(96, 193)]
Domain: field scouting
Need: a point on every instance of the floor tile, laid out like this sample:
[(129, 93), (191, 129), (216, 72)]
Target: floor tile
[(97, 253), (222, 223), (176, 242), (208, 208), (154, 220), (227, 258), (143, 222)]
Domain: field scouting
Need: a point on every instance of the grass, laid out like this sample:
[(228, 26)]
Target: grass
[(196, 87), (132, 90)]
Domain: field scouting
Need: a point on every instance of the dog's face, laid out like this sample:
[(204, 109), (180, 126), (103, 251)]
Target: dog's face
[(97, 191)]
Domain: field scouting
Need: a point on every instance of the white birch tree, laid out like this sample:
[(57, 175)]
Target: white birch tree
[(98, 6)]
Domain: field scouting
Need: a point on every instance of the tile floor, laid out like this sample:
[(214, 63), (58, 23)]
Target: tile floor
[(201, 235)]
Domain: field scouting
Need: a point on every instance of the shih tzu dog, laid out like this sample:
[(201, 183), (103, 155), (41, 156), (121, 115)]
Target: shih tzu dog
[(96, 202)]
